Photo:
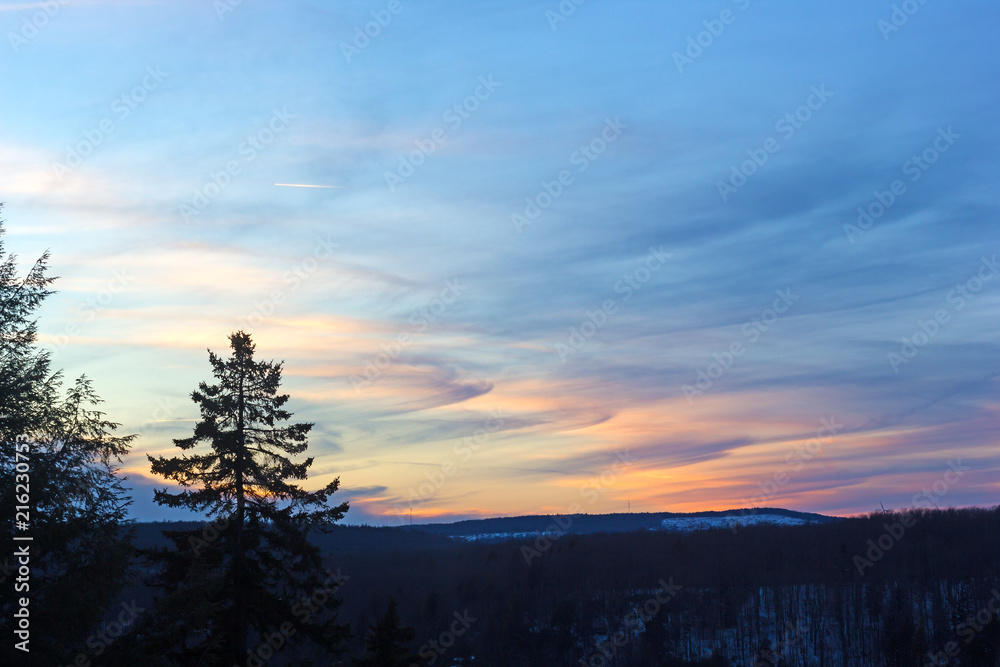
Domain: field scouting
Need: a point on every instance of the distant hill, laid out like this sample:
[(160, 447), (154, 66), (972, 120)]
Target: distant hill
[(504, 528), (367, 539)]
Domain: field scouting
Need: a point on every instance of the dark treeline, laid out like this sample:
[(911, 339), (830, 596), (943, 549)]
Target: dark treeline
[(819, 594), (823, 594)]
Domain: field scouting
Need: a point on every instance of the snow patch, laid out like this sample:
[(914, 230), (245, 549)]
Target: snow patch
[(689, 524)]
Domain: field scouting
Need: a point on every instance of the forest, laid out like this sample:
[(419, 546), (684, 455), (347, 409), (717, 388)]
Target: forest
[(823, 594)]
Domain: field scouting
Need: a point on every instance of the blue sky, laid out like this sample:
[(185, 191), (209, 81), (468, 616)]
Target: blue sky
[(656, 304)]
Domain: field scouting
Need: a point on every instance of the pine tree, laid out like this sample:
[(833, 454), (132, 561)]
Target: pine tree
[(81, 547), (26, 382), (253, 572), (386, 643)]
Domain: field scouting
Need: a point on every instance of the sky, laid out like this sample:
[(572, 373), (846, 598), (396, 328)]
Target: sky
[(578, 256)]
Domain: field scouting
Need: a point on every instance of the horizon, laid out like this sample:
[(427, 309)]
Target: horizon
[(519, 259), (890, 511)]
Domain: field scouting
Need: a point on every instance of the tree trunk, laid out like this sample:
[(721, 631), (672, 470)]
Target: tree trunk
[(239, 601)]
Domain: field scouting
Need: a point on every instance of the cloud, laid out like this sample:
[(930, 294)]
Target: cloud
[(494, 348)]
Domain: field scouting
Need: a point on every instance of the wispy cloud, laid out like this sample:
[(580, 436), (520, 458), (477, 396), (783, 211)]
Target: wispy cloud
[(302, 185), (386, 255)]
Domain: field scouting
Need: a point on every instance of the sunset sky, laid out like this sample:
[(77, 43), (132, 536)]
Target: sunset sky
[(603, 256)]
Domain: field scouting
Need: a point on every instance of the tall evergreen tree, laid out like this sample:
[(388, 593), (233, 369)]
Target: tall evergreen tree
[(252, 572), (80, 552), (387, 642)]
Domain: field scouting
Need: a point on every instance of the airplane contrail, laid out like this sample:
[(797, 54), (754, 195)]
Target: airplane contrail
[(302, 185)]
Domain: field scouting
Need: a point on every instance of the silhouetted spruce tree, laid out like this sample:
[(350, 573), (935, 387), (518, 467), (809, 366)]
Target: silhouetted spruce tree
[(387, 642), (65, 467), (252, 570)]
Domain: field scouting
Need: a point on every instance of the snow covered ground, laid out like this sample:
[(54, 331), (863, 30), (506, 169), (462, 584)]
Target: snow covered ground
[(680, 524), (688, 524), (493, 537)]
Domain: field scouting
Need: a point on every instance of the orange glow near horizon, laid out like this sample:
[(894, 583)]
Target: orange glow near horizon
[(624, 449)]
